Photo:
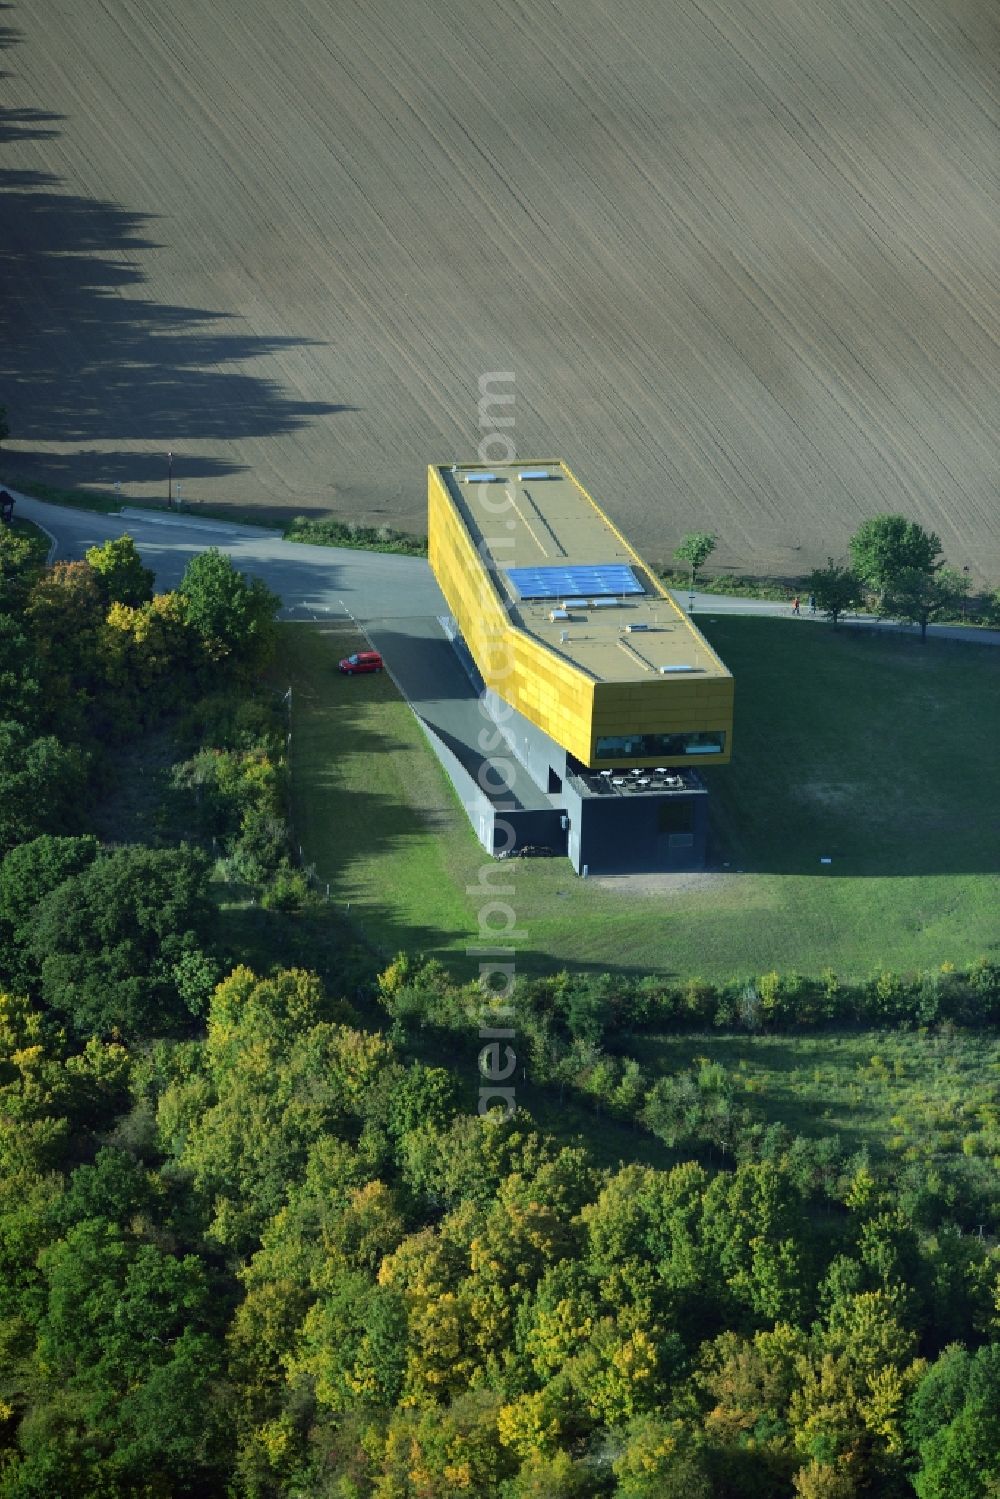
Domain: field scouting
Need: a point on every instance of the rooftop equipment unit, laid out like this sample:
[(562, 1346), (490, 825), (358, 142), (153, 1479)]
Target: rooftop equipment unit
[(480, 478), (631, 629), (664, 670), (555, 614), (534, 473), (604, 604)]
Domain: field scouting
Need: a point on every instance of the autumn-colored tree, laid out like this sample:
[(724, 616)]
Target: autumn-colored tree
[(65, 610), (147, 646), (531, 1227), (428, 1270), (824, 1481), (279, 1078), (441, 1454), (748, 1384), (555, 1321), (660, 1460), (120, 572)]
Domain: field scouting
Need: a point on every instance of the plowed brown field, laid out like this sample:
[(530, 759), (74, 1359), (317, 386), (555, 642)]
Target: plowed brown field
[(742, 255)]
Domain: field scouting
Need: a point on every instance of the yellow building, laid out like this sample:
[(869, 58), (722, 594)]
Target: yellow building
[(567, 623)]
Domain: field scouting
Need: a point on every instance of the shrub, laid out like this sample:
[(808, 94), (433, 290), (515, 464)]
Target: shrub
[(891, 998), (699, 1000), (983, 980), (584, 1002), (260, 848), (336, 533), (233, 721), (288, 891)]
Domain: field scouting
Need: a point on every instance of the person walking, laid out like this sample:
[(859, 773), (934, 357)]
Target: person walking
[(795, 604)]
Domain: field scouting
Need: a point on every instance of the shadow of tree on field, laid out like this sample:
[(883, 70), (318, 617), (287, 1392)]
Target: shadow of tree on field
[(24, 124), (86, 361)]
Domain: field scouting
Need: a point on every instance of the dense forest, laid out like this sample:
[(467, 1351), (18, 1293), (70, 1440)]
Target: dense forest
[(255, 1238)]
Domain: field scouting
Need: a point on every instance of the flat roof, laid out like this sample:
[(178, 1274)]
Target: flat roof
[(537, 519)]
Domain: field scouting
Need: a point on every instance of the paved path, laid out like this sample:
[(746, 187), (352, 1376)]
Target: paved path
[(722, 604), (338, 582)]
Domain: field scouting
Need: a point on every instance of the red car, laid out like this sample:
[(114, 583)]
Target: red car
[(361, 661)]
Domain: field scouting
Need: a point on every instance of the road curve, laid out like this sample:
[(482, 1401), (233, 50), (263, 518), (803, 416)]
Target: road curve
[(315, 582)]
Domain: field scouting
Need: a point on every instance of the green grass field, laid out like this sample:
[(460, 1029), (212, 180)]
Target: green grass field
[(907, 1096), (373, 811), (868, 749)]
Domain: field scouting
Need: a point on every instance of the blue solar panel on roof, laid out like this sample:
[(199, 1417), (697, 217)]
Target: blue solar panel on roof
[(572, 582)]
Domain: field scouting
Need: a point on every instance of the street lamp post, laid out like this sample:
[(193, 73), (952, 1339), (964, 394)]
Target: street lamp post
[(170, 481)]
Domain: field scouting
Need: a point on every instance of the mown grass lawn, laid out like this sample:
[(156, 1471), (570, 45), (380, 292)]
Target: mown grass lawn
[(374, 812), (868, 749)]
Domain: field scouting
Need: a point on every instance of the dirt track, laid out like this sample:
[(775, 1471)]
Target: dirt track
[(741, 254)]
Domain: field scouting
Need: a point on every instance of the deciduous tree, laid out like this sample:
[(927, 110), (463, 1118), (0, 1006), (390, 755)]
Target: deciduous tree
[(120, 572), (41, 785), (918, 596), (836, 589), (104, 942), (234, 615), (887, 545), (695, 549)]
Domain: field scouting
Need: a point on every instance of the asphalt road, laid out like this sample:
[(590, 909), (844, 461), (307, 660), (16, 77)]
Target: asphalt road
[(330, 582), (312, 582), (427, 670)]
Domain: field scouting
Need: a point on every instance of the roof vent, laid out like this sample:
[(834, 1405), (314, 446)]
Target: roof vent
[(480, 478), (682, 666), (631, 629), (534, 473)]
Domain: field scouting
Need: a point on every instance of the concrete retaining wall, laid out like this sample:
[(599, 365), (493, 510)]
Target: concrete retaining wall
[(498, 831)]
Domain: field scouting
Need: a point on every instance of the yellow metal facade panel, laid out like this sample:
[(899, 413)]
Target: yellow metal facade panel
[(548, 691), (559, 697), (666, 706)]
